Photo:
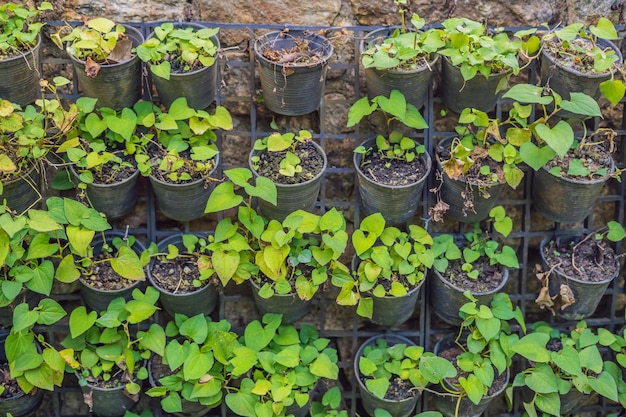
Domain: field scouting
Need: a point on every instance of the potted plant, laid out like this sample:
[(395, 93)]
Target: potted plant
[(191, 375), (295, 163), (392, 371), (103, 59), (487, 153), (566, 164), (474, 262), (279, 367), (583, 59), (184, 158), (20, 44), (391, 168), (569, 366), (389, 269), (292, 68), (182, 271), (29, 244), (577, 270), (478, 62), (107, 351), (106, 264), (182, 58), (400, 58), (329, 404), (102, 151), (482, 353), (24, 381), (27, 137), (295, 259)]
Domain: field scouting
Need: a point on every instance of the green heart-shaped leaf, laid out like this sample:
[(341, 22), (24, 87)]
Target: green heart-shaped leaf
[(534, 156), (560, 137), (80, 321)]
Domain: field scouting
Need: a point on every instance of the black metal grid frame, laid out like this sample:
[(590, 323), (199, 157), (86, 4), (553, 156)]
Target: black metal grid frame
[(423, 327)]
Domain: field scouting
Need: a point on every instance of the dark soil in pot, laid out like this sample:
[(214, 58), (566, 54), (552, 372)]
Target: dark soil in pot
[(177, 275), (11, 387), (113, 172), (311, 161), (570, 58), (595, 160), (451, 353), (398, 172), (399, 389), (299, 53), (105, 278), (473, 175), (489, 276), (593, 260), (156, 154)]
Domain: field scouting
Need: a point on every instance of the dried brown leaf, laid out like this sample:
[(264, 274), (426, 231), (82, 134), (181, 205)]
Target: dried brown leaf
[(566, 296), (122, 51), (92, 68), (544, 300)]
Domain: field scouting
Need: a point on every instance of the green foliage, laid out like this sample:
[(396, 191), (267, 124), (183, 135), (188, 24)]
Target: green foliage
[(561, 361), (20, 27), (98, 41), (403, 50), (28, 135), (285, 144), (329, 406), (396, 111), (485, 336), (301, 254), (233, 254), (195, 251), (198, 353), (112, 342), (581, 42), (381, 361), (475, 49), (188, 48), (33, 362), (476, 245), (185, 130), (282, 365), (390, 263)]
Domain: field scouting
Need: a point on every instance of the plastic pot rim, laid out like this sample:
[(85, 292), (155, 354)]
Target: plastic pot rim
[(552, 59), (117, 64), (263, 40), (24, 55), (425, 157)]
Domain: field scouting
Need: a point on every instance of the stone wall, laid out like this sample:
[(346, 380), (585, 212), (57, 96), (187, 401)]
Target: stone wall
[(337, 12)]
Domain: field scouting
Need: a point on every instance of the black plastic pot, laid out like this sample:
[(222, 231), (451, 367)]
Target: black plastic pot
[(292, 197), (566, 200), (197, 86), (201, 301), (22, 404), (26, 296), (587, 294), (292, 307), (456, 192), (447, 404), (19, 77), (390, 310), (292, 89), (397, 204), (413, 84), (563, 79), (116, 85), (114, 200), (97, 299), (109, 402), (23, 191), (402, 408), (185, 201), (478, 93), (446, 299)]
